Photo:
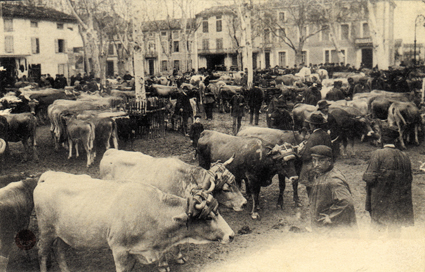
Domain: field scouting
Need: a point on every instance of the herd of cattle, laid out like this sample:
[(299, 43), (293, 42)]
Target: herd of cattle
[(144, 206)]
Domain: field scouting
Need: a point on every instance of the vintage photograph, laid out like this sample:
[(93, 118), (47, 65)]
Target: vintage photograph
[(212, 135)]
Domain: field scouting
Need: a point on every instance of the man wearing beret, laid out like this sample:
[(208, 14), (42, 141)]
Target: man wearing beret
[(331, 203), (317, 137), (389, 186)]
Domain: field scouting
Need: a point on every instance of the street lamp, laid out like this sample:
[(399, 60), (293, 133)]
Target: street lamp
[(414, 45)]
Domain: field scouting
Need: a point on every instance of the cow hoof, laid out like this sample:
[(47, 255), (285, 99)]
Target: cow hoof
[(69, 158), (298, 204), (255, 216), (181, 260)]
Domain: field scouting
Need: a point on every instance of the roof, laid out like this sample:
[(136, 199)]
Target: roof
[(218, 10), (10, 10), (167, 24)]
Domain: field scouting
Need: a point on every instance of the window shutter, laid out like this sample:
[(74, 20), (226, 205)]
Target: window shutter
[(56, 46), (64, 46), (33, 46)]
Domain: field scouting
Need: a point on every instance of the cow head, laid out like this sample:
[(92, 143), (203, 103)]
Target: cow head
[(223, 186), (33, 104), (284, 157)]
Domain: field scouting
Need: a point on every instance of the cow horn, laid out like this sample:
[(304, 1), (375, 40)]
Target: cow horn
[(229, 161), (288, 158), (212, 187), (201, 205), (2, 146), (226, 187)]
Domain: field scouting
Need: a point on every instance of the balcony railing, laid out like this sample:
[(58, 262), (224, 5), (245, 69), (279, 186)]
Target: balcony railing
[(363, 42)]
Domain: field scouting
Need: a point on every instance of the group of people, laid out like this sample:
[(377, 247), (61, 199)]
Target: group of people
[(388, 179)]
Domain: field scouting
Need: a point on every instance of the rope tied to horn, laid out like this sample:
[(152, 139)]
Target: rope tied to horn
[(202, 205)]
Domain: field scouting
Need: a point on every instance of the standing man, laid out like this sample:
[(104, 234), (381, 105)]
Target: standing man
[(255, 100), (184, 109), (195, 133), (389, 187), (331, 203), (317, 137), (208, 100), (237, 104)]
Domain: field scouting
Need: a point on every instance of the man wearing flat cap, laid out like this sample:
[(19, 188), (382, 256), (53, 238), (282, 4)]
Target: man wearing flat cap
[(331, 203), (388, 180), (317, 137)]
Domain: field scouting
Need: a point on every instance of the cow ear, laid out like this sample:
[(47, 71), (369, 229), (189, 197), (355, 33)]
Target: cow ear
[(181, 218)]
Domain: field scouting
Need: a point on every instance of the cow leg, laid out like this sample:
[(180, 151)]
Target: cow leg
[(60, 255), (282, 185), (255, 203), (353, 152), (416, 134), (44, 247), (401, 133), (3, 262), (34, 147), (69, 148), (123, 260), (77, 154), (344, 144), (25, 144)]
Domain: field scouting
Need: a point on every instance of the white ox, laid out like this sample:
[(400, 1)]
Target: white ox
[(136, 221)]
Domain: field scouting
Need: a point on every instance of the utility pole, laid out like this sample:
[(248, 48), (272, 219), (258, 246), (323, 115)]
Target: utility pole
[(138, 53)]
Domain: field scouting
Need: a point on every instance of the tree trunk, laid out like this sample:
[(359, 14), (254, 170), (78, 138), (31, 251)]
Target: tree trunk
[(334, 40), (379, 47)]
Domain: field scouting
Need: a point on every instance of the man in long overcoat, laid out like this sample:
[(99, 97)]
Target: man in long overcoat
[(389, 187), (255, 100), (237, 104)]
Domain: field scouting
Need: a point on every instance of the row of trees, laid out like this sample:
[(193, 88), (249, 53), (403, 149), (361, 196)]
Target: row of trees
[(122, 24)]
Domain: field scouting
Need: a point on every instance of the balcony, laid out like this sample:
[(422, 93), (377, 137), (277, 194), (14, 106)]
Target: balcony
[(151, 54), (216, 51), (363, 42)]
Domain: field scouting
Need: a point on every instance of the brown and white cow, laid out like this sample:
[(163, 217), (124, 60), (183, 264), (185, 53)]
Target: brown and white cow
[(136, 221), (16, 205)]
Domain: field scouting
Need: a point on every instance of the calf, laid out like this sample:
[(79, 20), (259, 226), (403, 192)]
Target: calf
[(16, 204)]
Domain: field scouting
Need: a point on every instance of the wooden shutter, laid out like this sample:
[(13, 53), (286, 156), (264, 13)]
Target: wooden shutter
[(56, 46)]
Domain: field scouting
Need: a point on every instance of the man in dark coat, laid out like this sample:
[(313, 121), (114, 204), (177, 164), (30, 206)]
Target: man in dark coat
[(195, 133), (331, 202), (331, 125), (389, 187), (362, 86), (237, 105), (208, 100), (317, 137), (255, 100), (312, 95), (350, 90), (184, 109), (335, 93)]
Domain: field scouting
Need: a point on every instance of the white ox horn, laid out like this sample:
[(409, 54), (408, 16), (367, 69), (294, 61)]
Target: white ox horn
[(212, 187), (229, 161), (226, 187), (201, 205), (2, 146)]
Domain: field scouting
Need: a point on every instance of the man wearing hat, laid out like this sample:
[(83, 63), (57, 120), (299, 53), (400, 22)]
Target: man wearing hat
[(312, 95), (335, 93), (237, 105), (331, 125), (184, 109), (195, 133), (331, 202), (317, 137), (388, 180), (362, 86)]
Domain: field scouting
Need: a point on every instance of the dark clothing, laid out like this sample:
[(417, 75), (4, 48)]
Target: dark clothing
[(331, 195), (127, 77), (359, 88), (277, 104), (184, 109), (237, 104), (195, 133), (209, 101), (335, 94), (349, 91), (255, 100), (312, 96), (389, 187), (318, 137)]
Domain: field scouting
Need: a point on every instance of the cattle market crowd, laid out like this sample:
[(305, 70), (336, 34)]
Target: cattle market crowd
[(313, 113)]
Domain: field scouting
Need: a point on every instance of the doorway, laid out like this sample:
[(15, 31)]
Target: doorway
[(367, 57), (267, 55), (110, 68), (215, 60), (151, 67)]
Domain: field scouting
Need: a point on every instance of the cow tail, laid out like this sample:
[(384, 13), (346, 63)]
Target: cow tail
[(115, 133)]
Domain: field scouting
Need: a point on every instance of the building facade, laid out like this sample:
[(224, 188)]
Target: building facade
[(36, 40)]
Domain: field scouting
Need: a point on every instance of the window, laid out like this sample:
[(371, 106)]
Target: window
[(282, 59), (164, 65), (59, 25), (35, 45), (366, 31), (325, 33), (205, 44), (60, 46), (175, 34), (219, 43), (8, 25), (327, 56), (304, 57), (282, 16), (8, 44), (331, 56), (205, 25), (34, 24), (234, 60), (176, 46), (266, 36), (151, 46), (111, 49), (164, 46), (282, 32), (343, 58), (345, 31), (70, 28), (163, 33), (177, 65), (218, 24)]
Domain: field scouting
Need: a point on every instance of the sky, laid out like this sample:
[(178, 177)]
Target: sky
[(405, 15)]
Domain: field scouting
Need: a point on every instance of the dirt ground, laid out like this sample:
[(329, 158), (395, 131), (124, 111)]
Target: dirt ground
[(277, 242)]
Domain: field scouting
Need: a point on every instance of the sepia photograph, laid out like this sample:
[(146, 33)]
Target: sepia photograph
[(212, 135)]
